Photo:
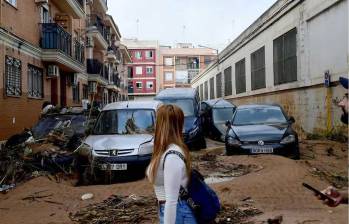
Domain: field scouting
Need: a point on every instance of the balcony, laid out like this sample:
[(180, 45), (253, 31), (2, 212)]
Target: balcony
[(72, 7), (96, 71), (101, 5), (98, 31), (57, 48), (113, 54)]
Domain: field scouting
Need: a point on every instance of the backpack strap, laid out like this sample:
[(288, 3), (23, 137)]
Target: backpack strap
[(180, 155)]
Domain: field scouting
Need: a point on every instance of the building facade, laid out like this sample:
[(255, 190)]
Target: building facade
[(143, 71), (285, 57), (180, 64), (43, 49)]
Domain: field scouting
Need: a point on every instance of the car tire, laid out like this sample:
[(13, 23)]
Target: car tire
[(296, 155)]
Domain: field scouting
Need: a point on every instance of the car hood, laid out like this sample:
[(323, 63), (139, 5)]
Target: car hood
[(272, 132), (102, 142), (189, 123)]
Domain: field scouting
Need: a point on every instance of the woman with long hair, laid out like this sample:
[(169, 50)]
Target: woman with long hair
[(168, 177)]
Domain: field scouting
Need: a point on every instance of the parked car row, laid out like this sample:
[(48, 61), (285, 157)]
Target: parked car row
[(122, 137)]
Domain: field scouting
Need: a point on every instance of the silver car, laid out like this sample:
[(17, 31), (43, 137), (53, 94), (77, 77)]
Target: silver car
[(122, 138)]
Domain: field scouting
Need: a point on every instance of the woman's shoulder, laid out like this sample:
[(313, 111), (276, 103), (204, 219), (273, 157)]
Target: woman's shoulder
[(174, 147)]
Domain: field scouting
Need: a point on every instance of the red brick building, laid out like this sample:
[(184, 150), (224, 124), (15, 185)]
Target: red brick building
[(143, 71)]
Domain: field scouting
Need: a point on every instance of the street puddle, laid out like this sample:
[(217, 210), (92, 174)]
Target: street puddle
[(218, 178)]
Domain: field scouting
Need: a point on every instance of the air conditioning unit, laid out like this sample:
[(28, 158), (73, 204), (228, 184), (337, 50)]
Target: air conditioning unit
[(92, 87), (41, 1), (52, 71)]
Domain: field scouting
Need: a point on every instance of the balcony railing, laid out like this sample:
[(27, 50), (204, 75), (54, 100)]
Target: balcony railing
[(94, 66), (79, 51), (94, 20), (53, 36)]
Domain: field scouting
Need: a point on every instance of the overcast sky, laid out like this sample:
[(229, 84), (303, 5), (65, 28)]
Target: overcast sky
[(212, 23)]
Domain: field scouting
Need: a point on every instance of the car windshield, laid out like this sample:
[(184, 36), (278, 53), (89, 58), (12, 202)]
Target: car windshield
[(251, 116), (222, 114), (47, 124), (125, 121), (186, 105)]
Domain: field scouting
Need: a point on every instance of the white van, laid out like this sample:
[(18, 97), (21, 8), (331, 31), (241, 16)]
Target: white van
[(123, 136)]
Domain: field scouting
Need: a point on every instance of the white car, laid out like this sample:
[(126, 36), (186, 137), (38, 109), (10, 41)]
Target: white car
[(122, 138)]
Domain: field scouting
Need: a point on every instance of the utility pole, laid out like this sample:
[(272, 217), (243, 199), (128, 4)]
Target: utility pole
[(137, 22)]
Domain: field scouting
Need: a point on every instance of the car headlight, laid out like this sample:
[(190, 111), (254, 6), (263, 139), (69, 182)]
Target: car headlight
[(146, 148), (233, 141), (194, 131), (288, 139)]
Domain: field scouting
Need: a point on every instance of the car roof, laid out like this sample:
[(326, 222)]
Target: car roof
[(151, 104), (218, 103), (258, 106), (176, 93)]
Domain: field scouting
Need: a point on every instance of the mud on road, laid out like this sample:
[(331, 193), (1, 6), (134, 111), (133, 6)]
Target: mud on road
[(260, 188)]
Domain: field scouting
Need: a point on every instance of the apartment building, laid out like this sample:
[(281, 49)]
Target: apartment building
[(106, 57), (180, 64), (144, 69), (43, 46), (292, 55)]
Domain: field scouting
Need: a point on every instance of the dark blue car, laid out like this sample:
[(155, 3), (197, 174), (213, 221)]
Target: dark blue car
[(189, 101), (261, 129)]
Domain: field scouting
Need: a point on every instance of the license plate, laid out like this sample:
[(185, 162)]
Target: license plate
[(261, 150), (118, 166)]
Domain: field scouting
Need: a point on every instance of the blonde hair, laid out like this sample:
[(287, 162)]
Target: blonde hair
[(168, 130)]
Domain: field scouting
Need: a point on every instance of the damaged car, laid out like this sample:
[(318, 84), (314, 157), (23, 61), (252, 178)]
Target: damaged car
[(214, 114), (122, 138), (261, 129)]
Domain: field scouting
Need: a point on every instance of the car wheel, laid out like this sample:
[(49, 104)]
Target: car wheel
[(296, 155)]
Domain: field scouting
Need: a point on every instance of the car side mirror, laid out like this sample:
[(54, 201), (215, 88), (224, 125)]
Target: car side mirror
[(228, 123), (291, 120)]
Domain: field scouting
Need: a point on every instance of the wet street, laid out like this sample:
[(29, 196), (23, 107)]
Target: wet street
[(252, 189)]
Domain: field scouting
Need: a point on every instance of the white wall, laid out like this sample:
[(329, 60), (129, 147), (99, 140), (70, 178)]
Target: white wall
[(322, 43)]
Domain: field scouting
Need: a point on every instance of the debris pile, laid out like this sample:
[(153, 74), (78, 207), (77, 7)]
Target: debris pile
[(234, 214), (143, 209), (119, 209), (46, 149)]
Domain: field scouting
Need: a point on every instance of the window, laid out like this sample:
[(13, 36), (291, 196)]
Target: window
[(149, 54), (206, 90), (12, 2), (212, 88), (149, 70), (35, 82), (207, 60), (202, 91), (76, 93), (168, 76), (285, 58), (258, 69), (138, 54), (13, 75), (240, 76), (149, 84), (219, 85), (227, 82), (45, 18), (139, 85), (139, 70), (168, 61), (85, 91)]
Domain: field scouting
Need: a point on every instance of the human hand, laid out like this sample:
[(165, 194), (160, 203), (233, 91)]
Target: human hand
[(334, 194)]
